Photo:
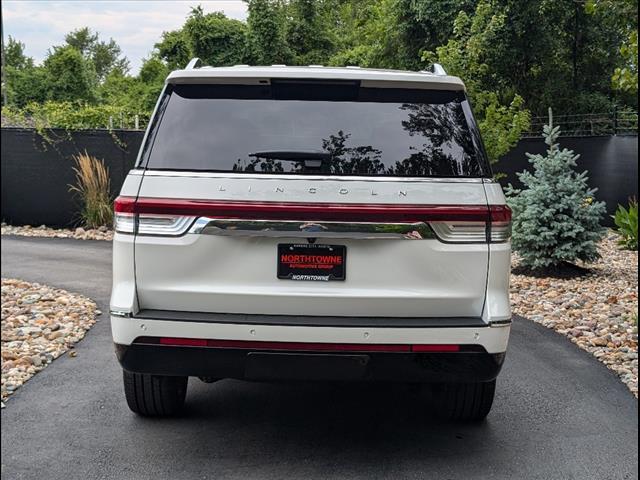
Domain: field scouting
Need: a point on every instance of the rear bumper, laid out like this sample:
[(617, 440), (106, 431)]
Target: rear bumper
[(269, 365), (262, 328)]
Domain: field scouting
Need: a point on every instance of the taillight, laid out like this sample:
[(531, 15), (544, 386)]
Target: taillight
[(127, 219), (493, 225), (460, 232), (500, 226), (450, 223)]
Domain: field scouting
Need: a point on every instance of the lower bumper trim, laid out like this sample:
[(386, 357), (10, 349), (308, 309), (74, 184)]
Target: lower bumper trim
[(247, 364)]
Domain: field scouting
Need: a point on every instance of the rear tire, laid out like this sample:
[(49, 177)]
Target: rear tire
[(467, 401), (154, 395)]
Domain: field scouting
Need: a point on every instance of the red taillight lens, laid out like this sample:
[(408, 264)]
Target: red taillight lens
[(129, 219), (500, 227), (124, 204)]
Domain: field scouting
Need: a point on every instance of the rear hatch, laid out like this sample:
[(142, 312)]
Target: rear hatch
[(311, 198)]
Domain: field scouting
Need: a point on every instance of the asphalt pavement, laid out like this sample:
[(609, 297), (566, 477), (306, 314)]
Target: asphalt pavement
[(558, 413)]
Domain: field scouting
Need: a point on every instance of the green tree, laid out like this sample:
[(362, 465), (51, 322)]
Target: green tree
[(555, 217), (266, 33), (70, 76), (424, 25), (135, 95), (105, 56), (625, 15), (365, 35), (152, 75), (214, 38), (469, 54), (14, 55), (308, 32), (24, 82), (553, 54), (174, 49), (25, 85)]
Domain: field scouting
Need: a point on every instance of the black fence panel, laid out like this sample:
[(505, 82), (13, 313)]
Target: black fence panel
[(36, 173), (612, 163)]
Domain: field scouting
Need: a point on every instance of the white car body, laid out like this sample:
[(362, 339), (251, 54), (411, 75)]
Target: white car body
[(221, 284)]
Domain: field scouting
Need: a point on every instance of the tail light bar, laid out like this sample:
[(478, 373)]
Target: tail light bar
[(451, 223)]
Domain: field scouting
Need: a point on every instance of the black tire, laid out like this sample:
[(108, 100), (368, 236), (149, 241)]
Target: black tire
[(467, 401), (154, 395)]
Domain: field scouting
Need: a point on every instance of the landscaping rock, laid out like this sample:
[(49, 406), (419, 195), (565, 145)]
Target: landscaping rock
[(101, 233), (31, 340), (596, 311)]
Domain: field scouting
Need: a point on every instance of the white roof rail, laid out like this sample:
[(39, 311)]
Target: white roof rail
[(193, 63), (438, 69)]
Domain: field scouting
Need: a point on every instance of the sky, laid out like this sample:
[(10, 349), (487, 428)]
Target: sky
[(135, 24)]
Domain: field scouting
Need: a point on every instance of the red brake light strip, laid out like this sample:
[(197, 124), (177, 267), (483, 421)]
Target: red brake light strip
[(312, 211)]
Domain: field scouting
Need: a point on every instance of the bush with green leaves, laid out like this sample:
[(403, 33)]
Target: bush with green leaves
[(556, 219), (627, 222), (71, 116)]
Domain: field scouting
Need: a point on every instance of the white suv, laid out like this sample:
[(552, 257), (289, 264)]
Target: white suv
[(311, 223)]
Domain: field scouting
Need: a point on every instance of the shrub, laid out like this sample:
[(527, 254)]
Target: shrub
[(627, 222), (555, 217), (70, 116), (93, 187)]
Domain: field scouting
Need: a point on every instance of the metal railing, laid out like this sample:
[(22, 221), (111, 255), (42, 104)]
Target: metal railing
[(588, 124)]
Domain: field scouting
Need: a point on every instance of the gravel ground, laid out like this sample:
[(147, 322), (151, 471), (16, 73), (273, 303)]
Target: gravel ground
[(39, 324), (596, 311), (102, 233)]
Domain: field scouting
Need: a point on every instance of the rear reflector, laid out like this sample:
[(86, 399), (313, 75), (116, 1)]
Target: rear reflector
[(297, 346), (189, 342), (435, 348)]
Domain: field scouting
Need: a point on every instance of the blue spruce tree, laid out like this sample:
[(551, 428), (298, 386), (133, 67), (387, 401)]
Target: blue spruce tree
[(556, 219)]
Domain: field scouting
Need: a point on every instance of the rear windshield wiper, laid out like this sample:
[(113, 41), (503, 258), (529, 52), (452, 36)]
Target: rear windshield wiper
[(311, 158)]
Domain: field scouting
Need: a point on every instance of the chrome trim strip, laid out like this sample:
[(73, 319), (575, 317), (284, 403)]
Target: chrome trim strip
[(304, 229), (120, 313), (501, 323), (320, 178), (163, 225), (460, 232)]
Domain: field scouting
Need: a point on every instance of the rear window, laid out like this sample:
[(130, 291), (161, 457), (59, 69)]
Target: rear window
[(296, 127)]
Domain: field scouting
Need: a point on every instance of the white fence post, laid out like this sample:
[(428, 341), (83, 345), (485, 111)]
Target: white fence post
[(137, 122)]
